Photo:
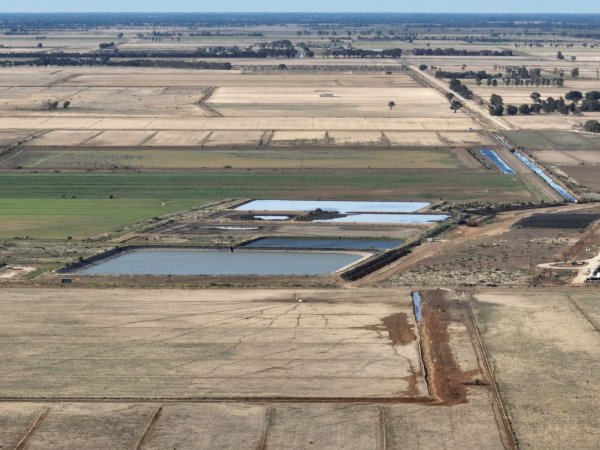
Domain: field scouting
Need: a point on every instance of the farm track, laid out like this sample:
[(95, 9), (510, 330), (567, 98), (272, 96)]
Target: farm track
[(210, 112), (477, 112)]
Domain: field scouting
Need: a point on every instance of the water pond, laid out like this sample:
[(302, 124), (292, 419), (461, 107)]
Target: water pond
[(220, 262), (317, 243)]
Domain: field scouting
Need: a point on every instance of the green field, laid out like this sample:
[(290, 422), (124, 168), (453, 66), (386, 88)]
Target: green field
[(239, 159), (57, 205), (58, 219), (555, 140)]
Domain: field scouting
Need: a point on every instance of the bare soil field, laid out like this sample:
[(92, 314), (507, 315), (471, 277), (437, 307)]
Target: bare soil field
[(543, 350), (205, 343), (128, 358)]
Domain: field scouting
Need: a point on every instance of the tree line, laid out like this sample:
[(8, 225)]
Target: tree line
[(49, 60), (459, 52), (574, 102)]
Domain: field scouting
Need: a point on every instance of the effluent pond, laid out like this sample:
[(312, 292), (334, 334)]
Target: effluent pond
[(184, 262)]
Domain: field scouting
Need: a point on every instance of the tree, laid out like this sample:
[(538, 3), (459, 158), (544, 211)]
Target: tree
[(575, 73), (573, 58), (456, 105), (496, 110), (536, 108), (495, 100), (423, 67), (66, 104), (574, 96), (524, 109), (536, 97), (559, 55), (592, 126), (391, 104), (496, 105), (511, 110), (449, 96), (50, 104)]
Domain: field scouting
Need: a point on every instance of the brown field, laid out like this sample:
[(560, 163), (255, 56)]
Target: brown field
[(543, 350), (569, 157), (340, 369), (586, 175)]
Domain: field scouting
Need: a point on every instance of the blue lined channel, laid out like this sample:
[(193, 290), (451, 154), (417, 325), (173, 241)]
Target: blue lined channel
[(416, 297), (562, 191), (498, 161)]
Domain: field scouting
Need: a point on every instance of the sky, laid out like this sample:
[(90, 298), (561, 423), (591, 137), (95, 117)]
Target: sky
[(456, 6)]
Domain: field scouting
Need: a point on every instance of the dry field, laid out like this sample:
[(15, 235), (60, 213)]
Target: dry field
[(569, 157), (55, 42), (543, 350), (112, 106), (554, 140), (156, 369), (586, 175)]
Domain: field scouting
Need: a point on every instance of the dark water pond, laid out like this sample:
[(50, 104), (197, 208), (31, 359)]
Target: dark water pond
[(317, 243)]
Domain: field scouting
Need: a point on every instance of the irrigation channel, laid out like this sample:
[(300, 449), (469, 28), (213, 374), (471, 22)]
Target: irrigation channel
[(492, 156), (538, 171), (562, 191)]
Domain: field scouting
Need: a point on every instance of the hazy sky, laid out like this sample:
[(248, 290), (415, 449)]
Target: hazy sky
[(509, 6)]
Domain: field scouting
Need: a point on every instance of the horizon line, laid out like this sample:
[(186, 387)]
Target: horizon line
[(306, 12)]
